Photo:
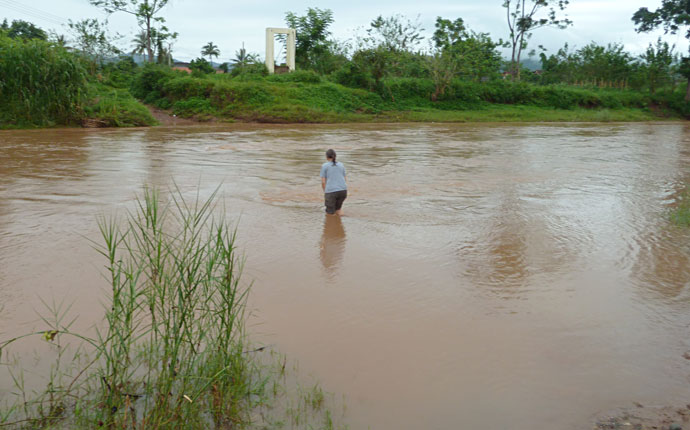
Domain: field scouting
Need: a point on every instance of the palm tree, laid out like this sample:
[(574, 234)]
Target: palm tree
[(163, 55), (242, 58), (139, 43), (211, 50), (61, 41)]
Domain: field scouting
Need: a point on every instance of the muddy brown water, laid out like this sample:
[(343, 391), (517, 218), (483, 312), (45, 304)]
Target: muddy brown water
[(484, 276)]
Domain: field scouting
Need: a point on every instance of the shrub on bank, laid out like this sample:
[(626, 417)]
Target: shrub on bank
[(299, 97), (120, 73), (304, 76), (415, 92), (151, 78), (115, 107)]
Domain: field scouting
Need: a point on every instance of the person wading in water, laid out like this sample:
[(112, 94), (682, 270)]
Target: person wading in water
[(333, 184)]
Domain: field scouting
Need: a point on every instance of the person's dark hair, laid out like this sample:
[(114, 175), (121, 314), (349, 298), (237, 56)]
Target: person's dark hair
[(331, 154)]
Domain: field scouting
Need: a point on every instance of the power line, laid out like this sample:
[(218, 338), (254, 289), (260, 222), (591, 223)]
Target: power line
[(31, 8), (39, 17), (32, 12)]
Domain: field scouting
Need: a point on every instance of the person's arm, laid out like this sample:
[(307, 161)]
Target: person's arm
[(323, 175)]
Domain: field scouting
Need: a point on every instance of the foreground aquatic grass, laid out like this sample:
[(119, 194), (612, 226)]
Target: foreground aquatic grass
[(177, 298), (172, 352), (680, 215)]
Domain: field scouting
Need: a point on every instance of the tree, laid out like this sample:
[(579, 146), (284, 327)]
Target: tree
[(201, 66), (561, 67), (525, 16), (312, 34), (593, 64), (373, 63), (146, 13), (672, 16), (25, 30), (470, 55), (210, 50), (607, 64), (389, 45), (139, 43), (448, 32), (162, 44), (92, 39), (657, 62), (164, 41), (243, 59), (442, 67), (395, 33), (59, 40)]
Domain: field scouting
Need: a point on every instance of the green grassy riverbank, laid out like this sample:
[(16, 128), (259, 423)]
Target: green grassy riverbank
[(44, 85), (305, 97)]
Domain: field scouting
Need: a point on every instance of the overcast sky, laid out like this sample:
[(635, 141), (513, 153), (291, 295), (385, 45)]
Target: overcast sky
[(229, 23)]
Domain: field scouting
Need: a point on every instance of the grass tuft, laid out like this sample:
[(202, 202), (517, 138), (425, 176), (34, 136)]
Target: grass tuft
[(680, 215)]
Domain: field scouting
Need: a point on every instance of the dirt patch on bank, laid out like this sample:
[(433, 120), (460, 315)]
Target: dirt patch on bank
[(166, 118), (642, 417)]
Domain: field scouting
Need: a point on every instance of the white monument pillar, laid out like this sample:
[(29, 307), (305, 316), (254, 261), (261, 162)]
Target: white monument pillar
[(290, 47)]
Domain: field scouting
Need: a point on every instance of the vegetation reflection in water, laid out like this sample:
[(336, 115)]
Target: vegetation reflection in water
[(172, 352)]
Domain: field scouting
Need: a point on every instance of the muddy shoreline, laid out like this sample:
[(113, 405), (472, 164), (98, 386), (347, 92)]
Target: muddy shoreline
[(644, 417)]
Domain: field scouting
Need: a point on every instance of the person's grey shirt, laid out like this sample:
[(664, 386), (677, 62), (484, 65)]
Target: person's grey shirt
[(335, 176)]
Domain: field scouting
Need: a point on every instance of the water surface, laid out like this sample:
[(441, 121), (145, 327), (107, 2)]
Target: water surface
[(484, 276)]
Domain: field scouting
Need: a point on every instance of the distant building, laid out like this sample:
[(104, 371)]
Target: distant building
[(180, 65)]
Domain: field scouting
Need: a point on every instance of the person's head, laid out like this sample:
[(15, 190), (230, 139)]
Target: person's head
[(330, 156)]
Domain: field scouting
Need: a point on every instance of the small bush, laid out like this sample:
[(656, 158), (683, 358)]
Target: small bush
[(120, 73), (258, 69), (305, 76), (192, 107), (150, 78), (200, 67), (186, 86), (351, 75), (115, 107)]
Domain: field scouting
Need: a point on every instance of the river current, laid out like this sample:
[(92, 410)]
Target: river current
[(493, 276)]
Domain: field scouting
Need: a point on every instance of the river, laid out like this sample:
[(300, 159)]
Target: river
[(493, 276)]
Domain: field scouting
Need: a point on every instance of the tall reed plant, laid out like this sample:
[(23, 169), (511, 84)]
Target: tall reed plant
[(40, 83), (173, 350)]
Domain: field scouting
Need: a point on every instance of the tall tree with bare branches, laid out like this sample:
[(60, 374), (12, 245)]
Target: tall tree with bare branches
[(525, 16), (145, 11)]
